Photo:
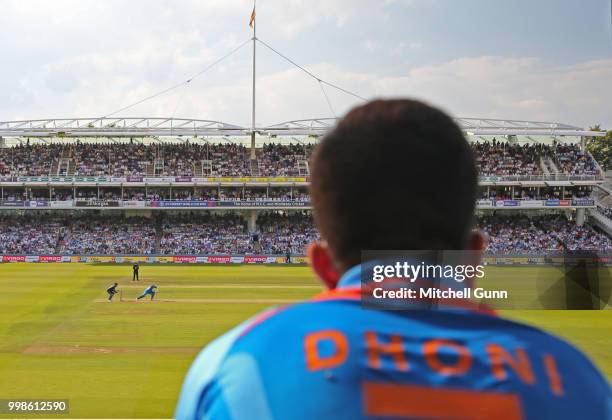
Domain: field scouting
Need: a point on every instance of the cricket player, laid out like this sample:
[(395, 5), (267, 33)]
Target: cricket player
[(149, 291), (330, 358), (135, 269), (112, 291)]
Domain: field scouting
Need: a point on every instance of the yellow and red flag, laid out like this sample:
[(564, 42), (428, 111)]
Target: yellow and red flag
[(252, 19)]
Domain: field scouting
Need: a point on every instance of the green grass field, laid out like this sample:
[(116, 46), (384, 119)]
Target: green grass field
[(59, 338)]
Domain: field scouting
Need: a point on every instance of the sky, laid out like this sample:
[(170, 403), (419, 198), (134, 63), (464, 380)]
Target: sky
[(541, 60)]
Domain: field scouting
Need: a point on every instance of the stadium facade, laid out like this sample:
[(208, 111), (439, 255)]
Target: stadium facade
[(144, 167)]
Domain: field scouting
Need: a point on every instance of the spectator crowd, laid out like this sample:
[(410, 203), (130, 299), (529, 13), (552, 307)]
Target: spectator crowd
[(606, 211), (205, 234), (276, 233), (508, 234), (109, 235), (140, 160), (494, 158), (500, 159), (31, 232)]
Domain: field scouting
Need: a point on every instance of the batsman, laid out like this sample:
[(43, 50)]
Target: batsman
[(149, 291)]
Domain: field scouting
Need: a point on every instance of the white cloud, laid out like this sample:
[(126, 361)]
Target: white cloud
[(521, 88), (294, 16), (371, 45), (494, 87), (404, 47), (87, 58)]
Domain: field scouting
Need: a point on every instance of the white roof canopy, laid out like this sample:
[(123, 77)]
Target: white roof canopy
[(165, 127)]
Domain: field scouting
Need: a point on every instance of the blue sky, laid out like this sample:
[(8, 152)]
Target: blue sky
[(559, 31), (537, 60)]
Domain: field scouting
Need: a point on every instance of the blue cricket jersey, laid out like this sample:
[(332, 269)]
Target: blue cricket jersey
[(330, 359)]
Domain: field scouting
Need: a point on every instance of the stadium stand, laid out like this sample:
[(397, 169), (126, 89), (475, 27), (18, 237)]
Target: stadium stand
[(209, 234), (277, 233), (281, 160), (29, 233), (106, 234), (30, 160), (606, 211), (502, 158), (269, 232), (540, 233), (204, 234), (571, 160), (130, 159), (494, 158), (281, 233)]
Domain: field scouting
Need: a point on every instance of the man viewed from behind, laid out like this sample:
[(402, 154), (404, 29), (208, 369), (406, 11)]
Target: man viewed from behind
[(330, 358)]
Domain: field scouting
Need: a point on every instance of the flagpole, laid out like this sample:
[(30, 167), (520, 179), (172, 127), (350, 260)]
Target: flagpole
[(253, 98)]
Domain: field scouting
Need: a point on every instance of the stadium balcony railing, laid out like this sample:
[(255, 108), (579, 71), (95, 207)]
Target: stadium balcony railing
[(305, 204), (607, 222), (601, 219), (280, 179), (550, 177)]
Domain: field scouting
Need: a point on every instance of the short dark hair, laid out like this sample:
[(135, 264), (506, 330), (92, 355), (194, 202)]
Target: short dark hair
[(393, 174)]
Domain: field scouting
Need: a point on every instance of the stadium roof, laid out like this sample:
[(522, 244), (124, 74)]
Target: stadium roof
[(471, 126), (165, 127)]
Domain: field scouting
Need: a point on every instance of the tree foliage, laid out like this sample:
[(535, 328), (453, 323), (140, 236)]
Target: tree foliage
[(601, 148)]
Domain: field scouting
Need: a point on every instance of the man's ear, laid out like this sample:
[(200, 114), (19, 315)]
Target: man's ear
[(478, 241), (321, 263)]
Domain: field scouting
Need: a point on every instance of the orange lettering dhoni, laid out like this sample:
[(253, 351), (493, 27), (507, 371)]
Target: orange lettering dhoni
[(378, 346), (329, 355), (314, 360)]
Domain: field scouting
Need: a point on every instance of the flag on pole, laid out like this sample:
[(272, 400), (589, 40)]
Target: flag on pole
[(252, 19)]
